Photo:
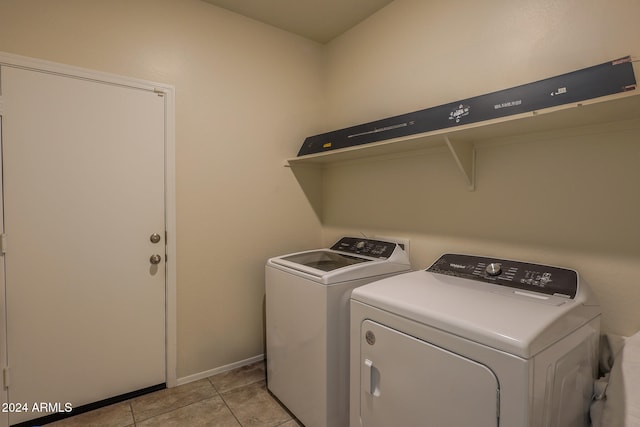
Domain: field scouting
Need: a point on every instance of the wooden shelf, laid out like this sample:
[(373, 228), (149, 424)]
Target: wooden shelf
[(607, 109), (461, 140)]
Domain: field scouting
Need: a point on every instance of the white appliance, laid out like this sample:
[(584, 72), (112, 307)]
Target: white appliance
[(617, 393), (474, 341), (307, 323)]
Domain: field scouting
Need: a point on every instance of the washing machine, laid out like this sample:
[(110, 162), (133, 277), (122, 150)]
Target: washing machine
[(307, 323), (474, 341)]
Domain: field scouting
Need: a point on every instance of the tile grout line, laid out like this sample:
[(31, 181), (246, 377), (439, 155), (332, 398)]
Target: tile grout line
[(221, 394), (230, 410), (174, 409), (135, 424), (225, 400)]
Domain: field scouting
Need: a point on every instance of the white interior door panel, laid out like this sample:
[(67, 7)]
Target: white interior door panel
[(83, 165)]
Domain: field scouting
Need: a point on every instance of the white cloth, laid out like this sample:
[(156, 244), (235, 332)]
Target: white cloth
[(617, 393)]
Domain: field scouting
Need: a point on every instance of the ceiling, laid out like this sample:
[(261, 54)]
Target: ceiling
[(319, 20)]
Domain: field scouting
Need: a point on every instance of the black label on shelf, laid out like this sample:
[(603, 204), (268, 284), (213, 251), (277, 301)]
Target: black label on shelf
[(593, 82)]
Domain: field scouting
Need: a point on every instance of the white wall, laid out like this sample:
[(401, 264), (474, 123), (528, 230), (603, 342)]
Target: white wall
[(246, 96), (568, 198)]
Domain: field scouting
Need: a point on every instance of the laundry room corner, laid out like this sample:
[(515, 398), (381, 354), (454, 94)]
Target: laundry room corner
[(554, 196)]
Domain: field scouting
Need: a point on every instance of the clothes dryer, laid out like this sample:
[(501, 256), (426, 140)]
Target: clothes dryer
[(307, 323), (474, 341)]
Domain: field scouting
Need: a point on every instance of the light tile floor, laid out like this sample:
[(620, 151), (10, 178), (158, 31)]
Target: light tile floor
[(235, 398)]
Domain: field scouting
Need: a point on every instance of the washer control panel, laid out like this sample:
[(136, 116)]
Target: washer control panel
[(515, 274), (367, 247)]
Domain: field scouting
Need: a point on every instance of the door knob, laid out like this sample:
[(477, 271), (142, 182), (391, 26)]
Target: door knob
[(155, 238), (155, 259)]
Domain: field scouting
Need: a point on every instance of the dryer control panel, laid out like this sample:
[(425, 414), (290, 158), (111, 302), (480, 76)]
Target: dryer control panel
[(366, 247), (515, 274)]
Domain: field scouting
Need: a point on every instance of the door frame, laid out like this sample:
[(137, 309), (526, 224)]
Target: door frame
[(168, 92)]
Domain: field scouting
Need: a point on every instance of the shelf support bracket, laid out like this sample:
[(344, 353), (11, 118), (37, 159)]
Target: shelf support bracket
[(310, 179), (464, 153)]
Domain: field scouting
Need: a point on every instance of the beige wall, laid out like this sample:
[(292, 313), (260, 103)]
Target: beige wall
[(246, 96), (568, 198), (413, 53)]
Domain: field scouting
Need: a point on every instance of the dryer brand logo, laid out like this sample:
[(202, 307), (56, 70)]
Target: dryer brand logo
[(458, 266), (459, 112)]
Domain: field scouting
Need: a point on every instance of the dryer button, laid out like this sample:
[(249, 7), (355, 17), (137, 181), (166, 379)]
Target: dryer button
[(494, 269)]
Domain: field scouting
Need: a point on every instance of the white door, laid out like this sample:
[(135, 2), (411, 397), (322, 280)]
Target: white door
[(411, 383), (83, 165)]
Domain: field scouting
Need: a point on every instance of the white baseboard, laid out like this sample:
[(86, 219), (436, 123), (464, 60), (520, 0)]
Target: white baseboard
[(219, 370)]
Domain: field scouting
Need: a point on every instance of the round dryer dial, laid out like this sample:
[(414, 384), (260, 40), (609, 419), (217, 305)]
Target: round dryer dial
[(494, 269)]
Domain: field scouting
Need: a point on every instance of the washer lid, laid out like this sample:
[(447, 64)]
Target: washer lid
[(324, 260), (348, 259), (509, 319)]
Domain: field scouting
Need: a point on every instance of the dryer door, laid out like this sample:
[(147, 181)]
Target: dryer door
[(408, 382)]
